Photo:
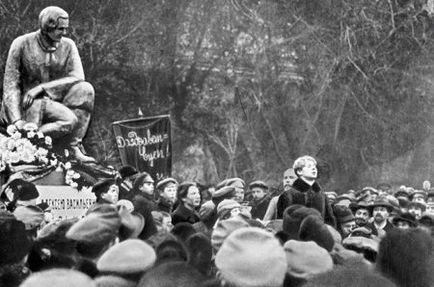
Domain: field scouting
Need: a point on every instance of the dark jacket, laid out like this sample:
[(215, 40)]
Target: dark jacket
[(145, 206), (259, 208), (164, 205), (126, 190), (183, 214), (309, 196), (389, 226)]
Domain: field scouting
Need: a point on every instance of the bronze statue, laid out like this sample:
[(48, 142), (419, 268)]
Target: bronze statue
[(44, 83)]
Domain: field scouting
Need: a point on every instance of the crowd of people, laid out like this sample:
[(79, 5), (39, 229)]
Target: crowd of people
[(142, 233), (145, 233)]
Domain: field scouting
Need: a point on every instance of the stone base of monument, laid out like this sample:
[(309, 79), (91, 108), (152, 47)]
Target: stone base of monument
[(54, 178), (64, 200)]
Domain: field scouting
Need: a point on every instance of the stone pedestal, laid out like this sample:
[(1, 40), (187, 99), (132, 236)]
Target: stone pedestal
[(64, 201)]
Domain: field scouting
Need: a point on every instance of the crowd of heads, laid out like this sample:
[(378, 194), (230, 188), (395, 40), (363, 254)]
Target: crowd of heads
[(145, 232)]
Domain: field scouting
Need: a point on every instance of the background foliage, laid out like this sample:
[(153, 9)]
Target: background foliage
[(251, 85)]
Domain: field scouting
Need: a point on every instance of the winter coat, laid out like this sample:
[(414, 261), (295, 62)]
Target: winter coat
[(183, 214), (259, 208), (309, 196), (145, 206)]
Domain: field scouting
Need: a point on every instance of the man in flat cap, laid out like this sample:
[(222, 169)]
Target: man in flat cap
[(44, 83), (261, 198)]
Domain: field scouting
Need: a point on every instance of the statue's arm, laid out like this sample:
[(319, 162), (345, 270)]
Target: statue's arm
[(74, 74), (12, 81)]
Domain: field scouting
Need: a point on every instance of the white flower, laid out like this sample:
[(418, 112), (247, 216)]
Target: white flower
[(14, 157), (68, 165), (26, 144), (11, 129), (30, 127), (3, 143), (27, 156), (48, 140), (29, 148), (74, 184), (31, 134), (20, 148), (16, 135), (10, 144), (53, 161), (40, 135), (70, 172), (41, 152), (76, 175)]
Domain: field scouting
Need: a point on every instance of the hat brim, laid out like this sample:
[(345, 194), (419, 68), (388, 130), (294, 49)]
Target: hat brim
[(389, 207), (399, 218), (355, 206)]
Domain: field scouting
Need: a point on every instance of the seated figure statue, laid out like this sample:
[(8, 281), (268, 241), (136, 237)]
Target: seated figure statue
[(44, 83)]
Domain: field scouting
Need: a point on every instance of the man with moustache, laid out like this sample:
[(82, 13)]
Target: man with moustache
[(361, 212), (380, 210), (306, 191)]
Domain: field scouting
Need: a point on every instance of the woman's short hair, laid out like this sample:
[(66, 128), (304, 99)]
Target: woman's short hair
[(183, 189), (140, 180)]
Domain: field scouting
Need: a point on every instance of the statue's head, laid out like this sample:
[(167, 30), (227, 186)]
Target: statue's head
[(54, 22)]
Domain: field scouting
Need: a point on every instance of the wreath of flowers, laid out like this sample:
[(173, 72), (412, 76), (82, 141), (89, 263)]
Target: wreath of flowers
[(26, 146), (30, 146)]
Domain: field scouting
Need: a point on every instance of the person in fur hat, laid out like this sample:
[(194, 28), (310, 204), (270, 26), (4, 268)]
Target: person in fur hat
[(406, 257), (251, 257), (52, 249), (180, 274), (15, 244), (355, 274), (345, 220), (306, 191), (427, 223), (405, 221)]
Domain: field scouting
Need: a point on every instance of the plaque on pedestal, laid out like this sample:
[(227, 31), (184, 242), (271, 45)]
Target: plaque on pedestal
[(65, 201)]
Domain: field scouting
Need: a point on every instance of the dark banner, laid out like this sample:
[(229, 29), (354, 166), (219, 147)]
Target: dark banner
[(145, 143)]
